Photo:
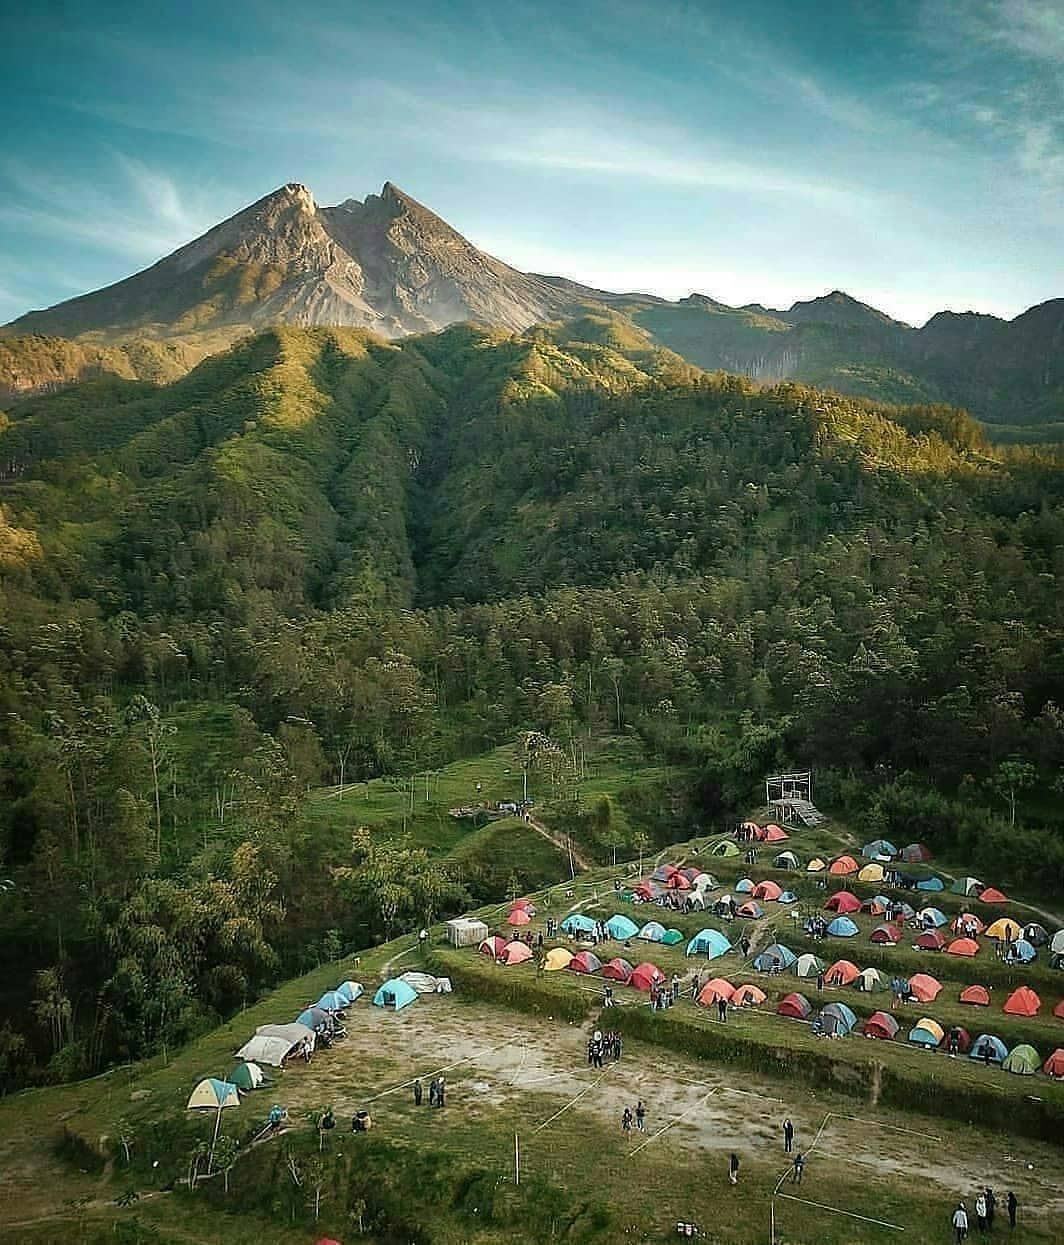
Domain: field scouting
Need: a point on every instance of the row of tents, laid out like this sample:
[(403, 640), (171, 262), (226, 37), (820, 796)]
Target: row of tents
[(642, 976)]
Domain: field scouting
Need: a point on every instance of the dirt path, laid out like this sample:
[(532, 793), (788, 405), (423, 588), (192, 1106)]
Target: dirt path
[(563, 843)]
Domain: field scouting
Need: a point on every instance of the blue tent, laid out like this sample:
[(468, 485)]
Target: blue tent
[(932, 918), (930, 884), (314, 1018), (842, 927), (879, 849), (395, 993), (837, 1018), (775, 956), (333, 999), (788, 897), (652, 931), (744, 886), (578, 924), (351, 990), (924, 1037), (708, 942), (998, 1050), (620, 927), (1023, 951)]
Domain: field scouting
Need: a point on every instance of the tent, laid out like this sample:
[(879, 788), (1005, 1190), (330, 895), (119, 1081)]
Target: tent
[(672, 937), (713, 991), (395, 994), (923, 987), (621, 928), (816, 865), (524, 903), (494, 946), (915, 853), (788, 897), (874, 907), (617, 970), (744, 886), (930, 884), (679, 882), (927, 1032), (423, 983), (904, 910), (769, 891), (1057, 944), (966, 886), (652, 931), (293, 1033), (977, 996), (1037, 935), (988, 1042), (964, 1038), (837, 1019), (726, 847), (885, 933), (879, 849), (578, 924), (1004, 929), (753, 827), (315, 1018), (645, 976), (775, 957), (992, 895), (932, 918), (518, 916), (333, 1000), (585, 962), (796, 1006), (751, 910), (843, 866), (213, 1095), (351, 990), (868, 979), (691, 874), (246, 1076), (663, 873), (808, 965), (871, 873), (963, 946), (647, 891), (842, 927), (775, 834), (708, 942), (263, 1048), (1023, 1060), (1054, 1065), (1023, 951), (705, 882), (931, 940), (880, 1025), (515, 953), (966, 920), (843, 901), (747, 996), (785, 860), (841, 973), (1022, 1002), (557, 958)]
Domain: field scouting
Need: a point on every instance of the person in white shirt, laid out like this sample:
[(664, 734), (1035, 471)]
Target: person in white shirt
[(960, 1223)]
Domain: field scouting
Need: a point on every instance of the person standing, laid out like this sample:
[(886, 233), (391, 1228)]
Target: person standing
[(991, 1205), (799, 1167), (434, 1089), (1011, 1202), (441, 1089), (417, 1092), (694, 986), (626, 1120), (640, 1117), (722, 1010), (960, 1223), (980, 1212), (820, 981), (788, 1136), (733, 1168)]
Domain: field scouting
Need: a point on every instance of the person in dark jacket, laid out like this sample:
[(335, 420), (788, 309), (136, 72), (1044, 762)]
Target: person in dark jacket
[(417, 1093)]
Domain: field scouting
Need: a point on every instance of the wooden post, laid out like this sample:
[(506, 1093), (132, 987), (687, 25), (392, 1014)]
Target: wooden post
[(517, 1161)]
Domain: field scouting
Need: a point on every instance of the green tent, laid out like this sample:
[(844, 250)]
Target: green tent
[(1023, 1060), (246, 1076), (725, 847), (671, 937)]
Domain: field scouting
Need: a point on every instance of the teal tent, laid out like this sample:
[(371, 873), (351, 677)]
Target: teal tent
[(333, 1000), (775, 957), (578, 924), (708, 942), (652, 931), (620, 927), (671, 937), (395, 994)]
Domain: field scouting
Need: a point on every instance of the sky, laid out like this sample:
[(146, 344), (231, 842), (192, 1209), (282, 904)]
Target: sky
[(909, 152)]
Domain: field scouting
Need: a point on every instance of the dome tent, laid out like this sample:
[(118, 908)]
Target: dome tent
[(751, 910), (843, 865), (618, 969), (992, 895), (843, 901), (1022, 1002), (395, 994), (621, 927), (768, 891), (725, 847), (708, 942), (785, 860), (927, 1032), (869, 979), (672, 937), (915, 853), (645, 976), (988, 1044), (931, 940), (842, 973), (1037, 935), (513, 953), (246, 1076), (748, 996), (879, 849), (924, 987), (880, 1025), (842, 927), (493, 946), (578, 924), (744, 886), (816, 865), (1054, 1065), (976, 996), (930, 884), (774, 957), (1004, 929), (932, 918), (714, 991), (333, 1000), (585, 962), (1023, 1060), (652, 931), (963, 946), (557, 958), (871, 873), (795, 1006), (808, 965), (351, 991), (838, 1019), (885, 934), (966, 886)]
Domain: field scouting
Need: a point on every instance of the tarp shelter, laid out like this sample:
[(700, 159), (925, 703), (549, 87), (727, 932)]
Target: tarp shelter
[(843, 901), (263, 1048), (842, 927), (927, 1032), (966, 886), (775, 957), (466, 931), (785, 860), (708, 942), (516, 953), (246, 1076), (645, 976), (774, 834), (988, 1042), (923, 987), (992, 895), (816, 865), (768, 890), (585, 962), (1054, 1065), (931, 940), (672, 937), (744, 886), (1022, 1060), (577, 923), (621, 928), (843, 866), (351, 990), (963, 946), (871, 873), (747, 996), (713, 991), (1004, 929), (652, 931), (557, 958), (1023, 951), (869, 979), (841, 973), (880, 1025), (423, 983), (617, 969), (1057, 943), (808, 965), (663, 872), (977, 996), (1037, 935), (968, 920), (395, 994), (837, 1018), (333, 1000), (885, 934), (751, 910), (915, 853), (493, 946), (879, 849), (795, 1006), (930, 884), (518, 916), (1022, 1002), (932, 918), (725, 847), (213, 1095)]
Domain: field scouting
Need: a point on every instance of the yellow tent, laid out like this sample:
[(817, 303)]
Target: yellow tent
[(931, 1026), (1004, 929), (816, 865), (213, 1095), (557, 958), (871, 873)]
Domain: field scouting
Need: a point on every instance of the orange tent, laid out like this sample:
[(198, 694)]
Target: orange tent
[(992, 895), (963, 946), (748, 995), (775, 834), (979, 995), (768, 890), (1054, 1065), (713, 991), (844, 864), (844, 969), (924, 987), (843, 901), (518, 917), (1023, 1002)]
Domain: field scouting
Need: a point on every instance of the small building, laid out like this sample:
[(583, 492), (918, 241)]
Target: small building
[(466, 931)]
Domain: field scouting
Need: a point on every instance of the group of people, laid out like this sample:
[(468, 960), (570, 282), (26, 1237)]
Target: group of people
[(816, 927), (602, 1046), (437, 1091), (664, 994), (985, 1207), (637, 1117)]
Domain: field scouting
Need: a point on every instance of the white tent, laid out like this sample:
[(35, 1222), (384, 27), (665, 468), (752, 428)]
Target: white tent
[(466, 931), (293, 1033), (705, 882), (423, 983), (263, 1048)]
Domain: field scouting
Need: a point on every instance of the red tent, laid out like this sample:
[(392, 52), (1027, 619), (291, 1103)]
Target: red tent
[(768, 890), (691, 873), (678, 882), (522, 903), (845, 970), (753, 827), (618, 970), (747, 995), (914, 853), (925, 988), (647, 891), (1054, 1065), (885, 933), (844, 865), (663, 872), (1023, 1002), (516, 953), (993, 895), (713, 991), (493, 946), (880, 1025), (645, 976), (585, 962), (843, 901), (979, 995), (796, 1006), (964, 1038), (518, 917), (774, 834), (1058, 1011), (932, 940), (963, 946)]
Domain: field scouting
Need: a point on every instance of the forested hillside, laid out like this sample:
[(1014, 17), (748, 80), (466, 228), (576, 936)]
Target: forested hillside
[(322, 556)]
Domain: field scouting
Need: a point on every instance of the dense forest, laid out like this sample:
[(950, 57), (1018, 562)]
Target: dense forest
[(322, 557)]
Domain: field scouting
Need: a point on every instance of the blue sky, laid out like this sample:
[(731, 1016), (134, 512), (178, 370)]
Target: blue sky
[(911, 153)]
